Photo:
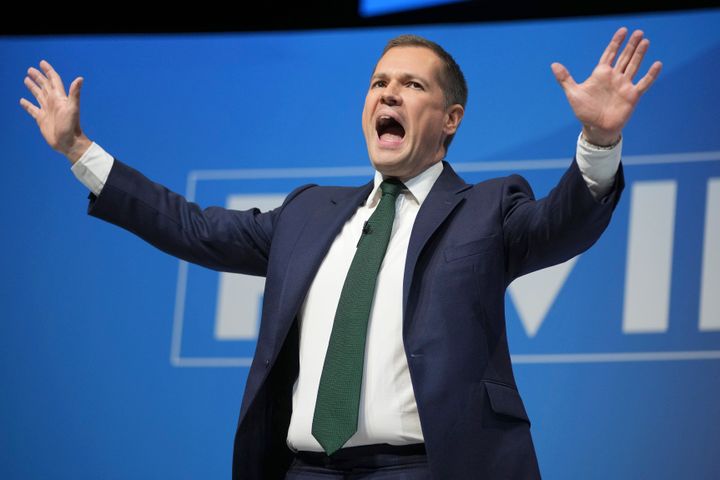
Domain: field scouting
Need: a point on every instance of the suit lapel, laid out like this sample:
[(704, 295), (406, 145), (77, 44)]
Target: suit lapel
[(316, 235), (440, 202), (310, 249)]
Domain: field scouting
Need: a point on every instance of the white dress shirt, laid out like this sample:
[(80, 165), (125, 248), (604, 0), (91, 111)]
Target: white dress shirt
[(388, 411)]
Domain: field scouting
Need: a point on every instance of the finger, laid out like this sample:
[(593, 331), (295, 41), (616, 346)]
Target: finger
[(628, 51), (74, 92), (30, 108), (636, 59), (55, 81), (34, 89), (644, 84), (562, 76), (611, 50), (37, 77)]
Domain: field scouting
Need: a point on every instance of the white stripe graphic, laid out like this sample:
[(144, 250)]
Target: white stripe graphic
[(649, 257), (710, 289)]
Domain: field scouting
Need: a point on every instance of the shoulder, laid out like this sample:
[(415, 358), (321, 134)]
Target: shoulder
[(308, 197), (502, 186), (312, 192), (488, 184)]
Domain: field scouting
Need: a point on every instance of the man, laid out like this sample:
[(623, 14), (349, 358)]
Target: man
[(403, 277)]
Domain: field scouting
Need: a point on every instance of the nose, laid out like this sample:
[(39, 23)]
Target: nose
[(390, 95)]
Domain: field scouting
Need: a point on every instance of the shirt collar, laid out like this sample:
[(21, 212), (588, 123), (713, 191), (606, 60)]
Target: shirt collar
[(419, 186)]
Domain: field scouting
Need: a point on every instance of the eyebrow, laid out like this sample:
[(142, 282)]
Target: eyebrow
[(403, 76)]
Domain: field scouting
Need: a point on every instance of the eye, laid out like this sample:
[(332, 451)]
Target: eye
[(377, 83), (415, 85)]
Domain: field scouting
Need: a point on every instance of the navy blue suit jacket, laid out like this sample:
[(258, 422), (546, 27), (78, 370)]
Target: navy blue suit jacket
[(467, 244)]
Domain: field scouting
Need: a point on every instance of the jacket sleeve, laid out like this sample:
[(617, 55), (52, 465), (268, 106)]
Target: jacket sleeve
[(214, 237), (552, 230)]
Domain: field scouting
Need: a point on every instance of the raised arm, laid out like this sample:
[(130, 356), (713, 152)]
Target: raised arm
[(544, 232), (58, 115)]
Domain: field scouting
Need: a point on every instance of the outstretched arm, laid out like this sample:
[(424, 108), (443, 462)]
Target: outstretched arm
[(214, 237), (59, 114), (605, 101)]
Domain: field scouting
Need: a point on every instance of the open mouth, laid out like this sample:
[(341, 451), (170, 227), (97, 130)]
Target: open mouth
[(389, 130)]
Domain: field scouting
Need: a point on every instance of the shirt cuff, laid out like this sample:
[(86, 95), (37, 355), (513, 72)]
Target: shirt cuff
[(93, 168), (598, 165)]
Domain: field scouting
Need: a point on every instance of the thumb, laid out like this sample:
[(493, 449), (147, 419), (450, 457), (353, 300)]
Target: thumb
[(562, 75), (74, 92)]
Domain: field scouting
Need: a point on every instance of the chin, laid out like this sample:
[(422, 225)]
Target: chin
[(388, 157), (388, 166)]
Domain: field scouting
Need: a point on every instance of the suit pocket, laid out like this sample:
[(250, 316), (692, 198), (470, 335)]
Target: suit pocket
[(505, 400), (480, 245)]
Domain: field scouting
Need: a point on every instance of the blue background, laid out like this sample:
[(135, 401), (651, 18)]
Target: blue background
[(86, 310)]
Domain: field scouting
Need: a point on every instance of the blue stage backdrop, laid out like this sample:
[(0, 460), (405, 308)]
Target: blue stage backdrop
[(118, 361)]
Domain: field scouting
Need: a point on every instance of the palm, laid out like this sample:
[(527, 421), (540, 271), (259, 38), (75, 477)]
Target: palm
[(605, 101), (57, 123)]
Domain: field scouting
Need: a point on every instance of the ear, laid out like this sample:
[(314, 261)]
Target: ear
[(454, 116)]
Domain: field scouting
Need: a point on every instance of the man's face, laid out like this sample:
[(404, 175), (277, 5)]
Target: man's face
[(404, 120)]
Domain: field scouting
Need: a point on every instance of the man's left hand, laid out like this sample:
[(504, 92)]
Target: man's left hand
[(605, 101)]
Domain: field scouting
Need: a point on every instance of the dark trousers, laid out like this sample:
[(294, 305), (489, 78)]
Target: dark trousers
[(367, 462)]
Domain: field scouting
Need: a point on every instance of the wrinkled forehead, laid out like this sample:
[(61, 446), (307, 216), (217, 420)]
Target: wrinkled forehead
[(409, 59)]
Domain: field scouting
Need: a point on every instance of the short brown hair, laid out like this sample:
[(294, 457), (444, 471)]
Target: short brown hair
[(451, 78)]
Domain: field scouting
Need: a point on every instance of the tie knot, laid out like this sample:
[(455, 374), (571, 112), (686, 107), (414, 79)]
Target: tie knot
[(392, 186)]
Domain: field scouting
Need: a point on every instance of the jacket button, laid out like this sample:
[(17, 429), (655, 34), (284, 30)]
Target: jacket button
[(267, 362)]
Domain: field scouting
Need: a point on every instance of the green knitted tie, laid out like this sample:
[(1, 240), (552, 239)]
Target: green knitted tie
[(338, 399)]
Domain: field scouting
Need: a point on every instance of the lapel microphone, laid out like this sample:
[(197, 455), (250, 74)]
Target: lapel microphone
[(366, 230)]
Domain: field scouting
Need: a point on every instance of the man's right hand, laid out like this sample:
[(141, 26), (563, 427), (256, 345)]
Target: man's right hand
[(59, 114)]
